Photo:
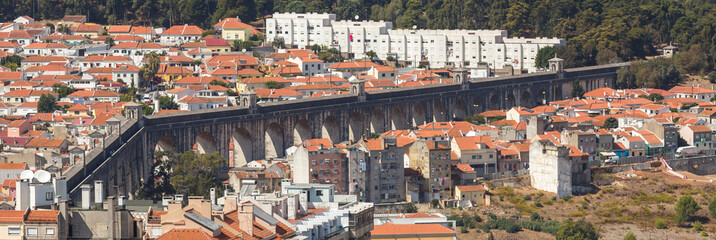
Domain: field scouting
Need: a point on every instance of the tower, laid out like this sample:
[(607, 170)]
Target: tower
[(556, 64)]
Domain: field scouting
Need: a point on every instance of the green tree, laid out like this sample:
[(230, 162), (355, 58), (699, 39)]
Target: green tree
[(194, 174), (238, 45), (712, 77), (685, 207), (347, 9), (246, 9), (272, 85), (579, 230), (62, 90), (371, 54), (295, 6), (147, 110), (150, 68), (410, 208), (278, 42), (543, 56), (611, 123), (46, 104), (630, 236), (11, 62), (194, 12), (517, 18), (218, 83), (167, 103), (577, 90)]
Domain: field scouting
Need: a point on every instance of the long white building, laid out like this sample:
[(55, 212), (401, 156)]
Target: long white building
[(441, 48)]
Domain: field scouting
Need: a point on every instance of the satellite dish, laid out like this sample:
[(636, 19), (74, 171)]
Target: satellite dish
[(27, 175), (43, 176)]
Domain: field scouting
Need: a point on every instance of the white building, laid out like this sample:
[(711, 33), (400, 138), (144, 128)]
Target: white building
[(39, 190), (458, 48)]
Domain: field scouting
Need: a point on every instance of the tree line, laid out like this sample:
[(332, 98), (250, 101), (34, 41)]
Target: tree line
[(597, 31)]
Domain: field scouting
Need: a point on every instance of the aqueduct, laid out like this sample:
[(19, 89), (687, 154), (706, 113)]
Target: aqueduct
[(264, 130)]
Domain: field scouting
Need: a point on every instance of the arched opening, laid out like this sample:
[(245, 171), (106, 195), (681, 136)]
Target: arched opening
[(494, 103), (458, 112), (478, 105), (418, 115), (439, 113), (355, 127), (301, 132), (273, 141), (510, 100), (330, 129), (205, 143), (526, 99), (243, 150), (165, 146), (542, 97), (377, 121), (398, 119)]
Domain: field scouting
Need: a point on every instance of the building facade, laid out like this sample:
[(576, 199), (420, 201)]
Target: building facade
[(441, 48)]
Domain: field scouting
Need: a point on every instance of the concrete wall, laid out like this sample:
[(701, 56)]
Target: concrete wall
[(550, 169)]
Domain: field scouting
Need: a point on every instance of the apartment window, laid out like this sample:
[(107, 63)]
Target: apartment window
[(48, 196), (13, 230), (49, 231), (32, 231), (319, 192)]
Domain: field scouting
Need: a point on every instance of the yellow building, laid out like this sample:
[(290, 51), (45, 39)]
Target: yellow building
[(170, 74), (474, 193), (413, 231), (217, 45), (234, 29)]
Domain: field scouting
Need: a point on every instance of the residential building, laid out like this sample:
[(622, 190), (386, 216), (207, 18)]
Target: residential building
[(233, 29), (698, 136), (442, 48), (432, 159), (384, 176)]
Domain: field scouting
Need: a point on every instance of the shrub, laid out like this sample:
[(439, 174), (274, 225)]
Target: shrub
[(538, 204), (577, 230), (566, 197), (630, 236), (528, 197), (698, 226), (704, 233), (477, 218), (535, 217), (502, 224), (685, 207), (457, 219), (492, 216), (660, 224), (463, 230)]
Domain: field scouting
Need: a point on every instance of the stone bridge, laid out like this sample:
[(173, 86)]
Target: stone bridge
[(260, 131)]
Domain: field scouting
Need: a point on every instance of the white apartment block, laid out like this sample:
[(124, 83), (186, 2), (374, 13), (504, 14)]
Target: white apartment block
[(441, 48)]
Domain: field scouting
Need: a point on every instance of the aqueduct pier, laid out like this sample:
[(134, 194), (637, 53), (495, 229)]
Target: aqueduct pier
[(253, 131)]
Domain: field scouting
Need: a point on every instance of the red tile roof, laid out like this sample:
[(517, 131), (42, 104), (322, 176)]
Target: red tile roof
[(410, 229), (471, 188), (17, 166), (11, 216), (183, 30), (42, 216)]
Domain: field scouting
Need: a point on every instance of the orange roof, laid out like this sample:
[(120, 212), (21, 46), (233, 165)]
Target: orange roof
[(464, 167), (699, 128), (410, 229), (17, 166), (11, 216), (48, 45), (275, 93), (78, 107), (234, 23), (602, 93), (471, 188), (185, 234), (42, 216), (87, 28), (472, 142), (682, 89), (183, 30), (419, 215), (99, 93), (353, 65), (43, 142), (119, 28)]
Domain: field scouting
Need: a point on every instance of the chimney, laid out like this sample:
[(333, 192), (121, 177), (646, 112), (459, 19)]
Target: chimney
[(98, 191), (174, 205), (230, 202), (179, 197), (111, 211), (246, 218), (22, 195), (65, 221), (212, 196), (121, 202), (86, 195)]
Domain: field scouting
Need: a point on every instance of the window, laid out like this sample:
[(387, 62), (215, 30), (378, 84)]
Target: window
[(13, 230), (319, 192), (48, 196), (32, 231), (49, 231)]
